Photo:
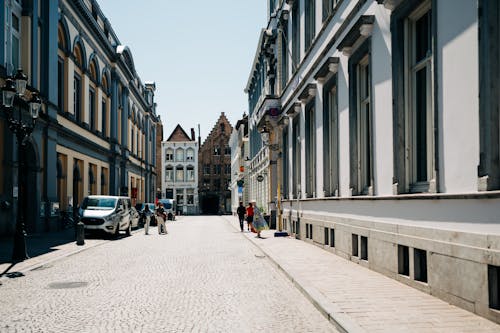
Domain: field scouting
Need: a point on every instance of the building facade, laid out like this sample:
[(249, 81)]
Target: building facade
[(180, 165), (214, 169), (96, 130), (238, 142), (381, 123)]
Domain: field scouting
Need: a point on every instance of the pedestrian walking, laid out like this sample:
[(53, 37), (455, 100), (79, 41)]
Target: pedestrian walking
[(249, 216), (147, 218), (160, 220), (241, 211), (259, 222)]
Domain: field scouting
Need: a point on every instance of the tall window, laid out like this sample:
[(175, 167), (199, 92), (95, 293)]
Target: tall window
[(296, 156), (227, 169), (77, 94), (206, 169), (284, 55), (92, 109), (217, 151), (361, 165), (104, 119), (420, 111), (179, 193), (310, 137), (169, 174), (328, 6), (13, 35), (179, 173), (179, 155), (190, 173), (310, 22), (295, 35), (330, 139), (489, 101), (190, 196), (227, 150), (190, 155), (60, 84), (285, 163), (169, 155)]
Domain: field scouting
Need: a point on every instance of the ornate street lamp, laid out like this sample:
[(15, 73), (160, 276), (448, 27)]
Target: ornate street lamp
[(14, 94)]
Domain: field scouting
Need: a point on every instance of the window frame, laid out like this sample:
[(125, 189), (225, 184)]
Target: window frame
[(310, 146), (331, 185)]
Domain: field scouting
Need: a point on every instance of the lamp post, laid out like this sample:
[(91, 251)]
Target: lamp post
[(14, 91)]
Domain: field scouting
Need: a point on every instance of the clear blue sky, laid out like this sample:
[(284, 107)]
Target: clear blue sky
[(198, 52)]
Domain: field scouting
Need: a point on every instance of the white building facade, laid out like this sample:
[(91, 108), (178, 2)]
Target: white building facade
[(239, 164), (180, 170), (381, 123)]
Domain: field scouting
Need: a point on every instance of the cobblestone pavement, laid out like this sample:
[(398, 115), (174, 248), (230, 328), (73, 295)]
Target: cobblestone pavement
[(201, 277)]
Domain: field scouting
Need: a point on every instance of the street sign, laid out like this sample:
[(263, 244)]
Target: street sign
[(260, 178)]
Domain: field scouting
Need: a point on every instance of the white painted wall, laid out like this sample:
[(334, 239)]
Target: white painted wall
[(458, 92)]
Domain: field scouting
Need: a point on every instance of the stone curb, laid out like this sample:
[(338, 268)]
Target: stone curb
[(340, 320)]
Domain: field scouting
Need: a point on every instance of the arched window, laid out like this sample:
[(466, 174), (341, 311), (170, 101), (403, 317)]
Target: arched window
[(179, 173), (93, 95), (77, 84), (105, 104), (179, 155), (190, 154), (169, 155), (169, 174), (190, 173), (62, 61)]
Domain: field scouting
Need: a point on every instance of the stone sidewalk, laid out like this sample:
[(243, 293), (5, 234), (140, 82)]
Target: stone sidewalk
[(356, 299)]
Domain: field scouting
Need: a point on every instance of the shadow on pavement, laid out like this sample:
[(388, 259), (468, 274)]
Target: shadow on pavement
[(36, 244)]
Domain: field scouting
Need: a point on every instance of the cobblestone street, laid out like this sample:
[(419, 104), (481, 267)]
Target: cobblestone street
[(201, 277)]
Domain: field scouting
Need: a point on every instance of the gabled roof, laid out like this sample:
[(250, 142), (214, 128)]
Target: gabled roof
[(178, 134)]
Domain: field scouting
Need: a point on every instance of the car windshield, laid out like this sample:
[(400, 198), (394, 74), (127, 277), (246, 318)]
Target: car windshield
[(166, 205), (99, 203)]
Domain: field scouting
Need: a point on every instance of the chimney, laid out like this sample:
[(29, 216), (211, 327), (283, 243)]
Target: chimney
[(193, 137)]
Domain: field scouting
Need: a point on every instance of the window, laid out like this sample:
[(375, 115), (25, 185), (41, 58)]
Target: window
[(420, 113), (92, 111), (169, 174), (179, 155), (330, 140), (217, 184), (179, 173), (420, 264), (104, 181), (104, 117), (190, 196), (169, 155), (217, 151), (284, 164), (403, 260), (190, 173), (217, 169), (328, 6), (190, 155), (60, 84), (296, 156), (489, 101), (360, 133), (227, 169), (310, 22), (494, 286), (295, 35), (310, 151), (206, 169), (354, 245), (13, 12), (180, 196), (77, 98), (227, 150), (414, 142), (284, 55)]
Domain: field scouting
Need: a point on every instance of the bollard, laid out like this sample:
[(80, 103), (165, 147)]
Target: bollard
[(80, 233)]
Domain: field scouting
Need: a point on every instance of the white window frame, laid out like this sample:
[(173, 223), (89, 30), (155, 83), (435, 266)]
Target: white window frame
[(413, 184), (169, 174), (190, 154), (169, 154), (179, 158), (178, 169)]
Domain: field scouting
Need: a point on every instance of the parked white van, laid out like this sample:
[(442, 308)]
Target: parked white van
[(109, 214)]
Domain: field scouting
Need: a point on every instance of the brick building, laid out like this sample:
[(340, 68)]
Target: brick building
[(214, 169)]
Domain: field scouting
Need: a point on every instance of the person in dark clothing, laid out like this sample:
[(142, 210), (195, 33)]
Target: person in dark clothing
[(241, 211)]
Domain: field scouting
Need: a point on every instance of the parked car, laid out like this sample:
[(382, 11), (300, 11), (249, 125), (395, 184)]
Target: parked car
[(134, 218), (140, 209), (108, 214)]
